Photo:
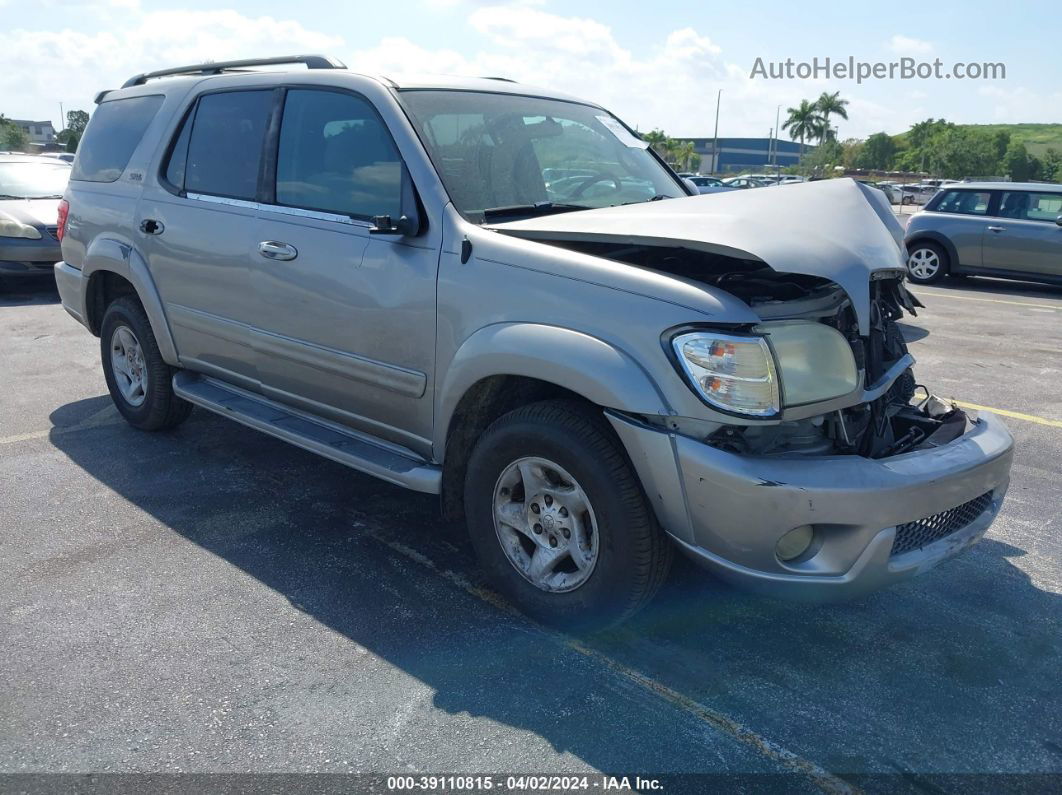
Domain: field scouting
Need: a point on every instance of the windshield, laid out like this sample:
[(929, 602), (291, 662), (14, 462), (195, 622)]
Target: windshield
[(25, 180), (526, 154)]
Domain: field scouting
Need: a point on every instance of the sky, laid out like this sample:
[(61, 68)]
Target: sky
[(655, 65)]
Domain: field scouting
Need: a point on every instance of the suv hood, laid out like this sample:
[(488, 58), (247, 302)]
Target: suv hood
[(836, 229)]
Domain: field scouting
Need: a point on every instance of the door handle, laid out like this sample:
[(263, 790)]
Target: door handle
[(996, 228), (149, 226), (271, 249)]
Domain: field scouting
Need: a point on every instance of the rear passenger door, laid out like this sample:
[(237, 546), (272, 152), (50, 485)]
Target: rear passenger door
[(1025, 236), (345, 323), (198, 230)]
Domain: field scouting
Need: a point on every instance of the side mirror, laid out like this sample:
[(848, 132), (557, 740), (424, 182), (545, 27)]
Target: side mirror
[(410, 223), (1059, 220), (383, 225)]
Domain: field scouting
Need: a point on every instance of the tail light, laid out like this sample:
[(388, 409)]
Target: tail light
[(64, 211)]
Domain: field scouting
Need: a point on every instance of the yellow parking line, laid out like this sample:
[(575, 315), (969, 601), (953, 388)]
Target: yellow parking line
[(990, 300), (817, 776), (1015, 414)]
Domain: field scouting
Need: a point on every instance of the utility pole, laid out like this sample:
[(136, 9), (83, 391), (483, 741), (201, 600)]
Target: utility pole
[(62, 118), (777, 129), (715, 141)]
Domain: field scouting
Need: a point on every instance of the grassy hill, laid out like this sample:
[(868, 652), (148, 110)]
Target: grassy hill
[(1036, 137)]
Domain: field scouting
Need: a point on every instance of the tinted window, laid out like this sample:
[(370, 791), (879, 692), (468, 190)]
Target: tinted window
[(225, 146), (112, 135), (179, 154), (964, 202), (336, 155), (1031, 206)]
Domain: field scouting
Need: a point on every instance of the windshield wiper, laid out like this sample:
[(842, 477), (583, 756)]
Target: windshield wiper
[(538, 208), (58, 196), (9, 196), (655, 198)]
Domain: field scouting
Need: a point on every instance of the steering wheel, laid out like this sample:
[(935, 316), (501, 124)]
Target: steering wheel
[(600, 176)]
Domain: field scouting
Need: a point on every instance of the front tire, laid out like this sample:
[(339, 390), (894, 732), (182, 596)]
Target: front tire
[(558, 519), (140, 382), (927, 263)]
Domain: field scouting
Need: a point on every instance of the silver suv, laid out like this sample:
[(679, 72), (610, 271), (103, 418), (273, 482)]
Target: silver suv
[(501, 295)]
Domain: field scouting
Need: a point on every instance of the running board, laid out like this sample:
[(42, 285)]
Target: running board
[(318, 436)]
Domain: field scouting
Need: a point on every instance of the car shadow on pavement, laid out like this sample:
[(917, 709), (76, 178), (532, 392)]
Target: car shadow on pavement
[(28, 291), (955, 671)]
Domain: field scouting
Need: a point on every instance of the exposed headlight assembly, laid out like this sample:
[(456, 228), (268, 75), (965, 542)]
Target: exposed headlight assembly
[(786, 363), (733, 373), (12, 227)]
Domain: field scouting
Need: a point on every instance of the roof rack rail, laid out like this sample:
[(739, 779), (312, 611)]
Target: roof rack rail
[(217, 67), (502, 79)]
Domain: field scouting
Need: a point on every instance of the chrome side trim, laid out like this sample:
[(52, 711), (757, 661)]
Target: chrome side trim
[(279, 209)]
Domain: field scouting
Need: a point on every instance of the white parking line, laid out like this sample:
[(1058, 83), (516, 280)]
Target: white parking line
[(819, 777), (935, 294)]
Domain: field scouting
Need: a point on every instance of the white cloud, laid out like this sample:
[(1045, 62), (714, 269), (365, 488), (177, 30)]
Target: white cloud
[(35, 64), (905, 45)]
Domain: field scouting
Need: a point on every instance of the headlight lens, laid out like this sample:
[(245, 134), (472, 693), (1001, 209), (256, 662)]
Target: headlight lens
[(815, 361), (12, 227), (730, 372)]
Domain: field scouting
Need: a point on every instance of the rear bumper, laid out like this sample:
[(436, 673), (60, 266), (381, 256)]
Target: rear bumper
[(71, 284), (737, 507)]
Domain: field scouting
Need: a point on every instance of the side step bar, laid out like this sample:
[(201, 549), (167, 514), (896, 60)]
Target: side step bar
[(327, 439)]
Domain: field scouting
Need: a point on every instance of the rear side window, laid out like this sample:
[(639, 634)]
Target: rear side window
[(337, 156), (114, 132), (1031, 206), (964, 202), (219, 148)]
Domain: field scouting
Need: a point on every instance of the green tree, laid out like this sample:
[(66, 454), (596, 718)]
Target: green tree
[(877, 152), (658, 140), (1052, 165), (829, 105), (1019, 165), (76, 121), (804, 121), (12, 137)]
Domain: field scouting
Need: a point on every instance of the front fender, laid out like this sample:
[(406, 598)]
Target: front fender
[(105, 254), (597, 370)]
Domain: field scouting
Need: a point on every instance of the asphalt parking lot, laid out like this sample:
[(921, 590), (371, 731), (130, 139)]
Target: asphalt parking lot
[(211, 599)]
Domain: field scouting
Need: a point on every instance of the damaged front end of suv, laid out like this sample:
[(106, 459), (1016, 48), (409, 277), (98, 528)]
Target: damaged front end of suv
[(819, 466)]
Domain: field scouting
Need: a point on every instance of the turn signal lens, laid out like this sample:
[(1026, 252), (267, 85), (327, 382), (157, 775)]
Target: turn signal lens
[(732, 373)]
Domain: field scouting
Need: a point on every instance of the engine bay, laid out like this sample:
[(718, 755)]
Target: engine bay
[(892, 423)]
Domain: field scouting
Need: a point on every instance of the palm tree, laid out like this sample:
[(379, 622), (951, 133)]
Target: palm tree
[(658, 140), (683, 153), (803, 122), (827, 105)]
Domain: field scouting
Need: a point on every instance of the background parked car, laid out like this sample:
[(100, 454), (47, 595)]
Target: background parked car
[(30, 189), (66, 157), (1005, 229), (742, 182), (917, 193), (708, 184)]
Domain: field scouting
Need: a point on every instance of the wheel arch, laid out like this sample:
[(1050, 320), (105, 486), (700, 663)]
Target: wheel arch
[(113, 269), (505, 366), (942, 241)]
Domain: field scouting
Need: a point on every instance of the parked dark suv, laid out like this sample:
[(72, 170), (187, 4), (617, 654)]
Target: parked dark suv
[(1009, 230)]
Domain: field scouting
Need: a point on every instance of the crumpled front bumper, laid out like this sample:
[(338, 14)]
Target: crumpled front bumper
[(728, 511)]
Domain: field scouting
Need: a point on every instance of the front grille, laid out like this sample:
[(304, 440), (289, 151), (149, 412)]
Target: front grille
[(915, 535), (54, 232)]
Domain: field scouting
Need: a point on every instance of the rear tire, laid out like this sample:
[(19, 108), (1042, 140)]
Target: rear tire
[(927, 263), (553, 456), (140, 382)]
